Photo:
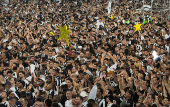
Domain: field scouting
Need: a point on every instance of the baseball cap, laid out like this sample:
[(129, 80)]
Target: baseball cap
[(18, 104), (110, 72), (43, 79), (63, 83), (83, 94), (8, 83)]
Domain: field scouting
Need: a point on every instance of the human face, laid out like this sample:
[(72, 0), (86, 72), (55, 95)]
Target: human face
[(19, 85), (165, 102), (41, 82), (21, 75), (23, 102), (11, 95), (140, 100), (68, 83), (97, 80), (3, 95), (78, 101), (150, 101), (9, 75), (127, 95), (32, 59), (68, 95)]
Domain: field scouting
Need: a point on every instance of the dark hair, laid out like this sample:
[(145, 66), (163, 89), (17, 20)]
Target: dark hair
[(101, 90), (70, 80), (141, 105), (22, 72), (48, 102), (69, 90), (81, 98), (55, 105), (114, 105), (9, 72)]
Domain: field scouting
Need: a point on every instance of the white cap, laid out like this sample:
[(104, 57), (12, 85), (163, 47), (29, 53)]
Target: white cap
[(63, 83), (29, 78), (42, 79), (9, 47), (79, 47), (83, 94), (5, 40), (88, 72)]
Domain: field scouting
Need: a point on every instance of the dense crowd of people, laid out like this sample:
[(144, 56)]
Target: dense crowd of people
[(107, 62)]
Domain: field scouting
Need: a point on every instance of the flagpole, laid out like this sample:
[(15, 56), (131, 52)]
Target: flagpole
[(143, 9), (151, 9)]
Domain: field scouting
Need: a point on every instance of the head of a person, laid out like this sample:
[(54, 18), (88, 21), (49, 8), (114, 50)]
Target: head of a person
[(38, 104), (92, 103), (32, 58), (69, 94), (9, 74), (4, 95), (99, 92), (128, 94), (49, 79), (109, 98), (166, 101), (11, 94), (21, 74), (20, 84), (23, 102), (41, 82), (69, 82), (150, 99), (79, 100), (12, 101)]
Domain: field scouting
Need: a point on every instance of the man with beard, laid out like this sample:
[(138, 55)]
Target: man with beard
[(4, 99), (79, 101), (41, 84), (68, 103), (99, 97)]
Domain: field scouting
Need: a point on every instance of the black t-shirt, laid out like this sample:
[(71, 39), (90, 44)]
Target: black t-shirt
[(63, 100)]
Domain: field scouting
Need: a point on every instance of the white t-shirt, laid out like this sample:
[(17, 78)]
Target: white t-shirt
[(109, 105), (68, 103), (99, 23), (114, 66), (167, 36)]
